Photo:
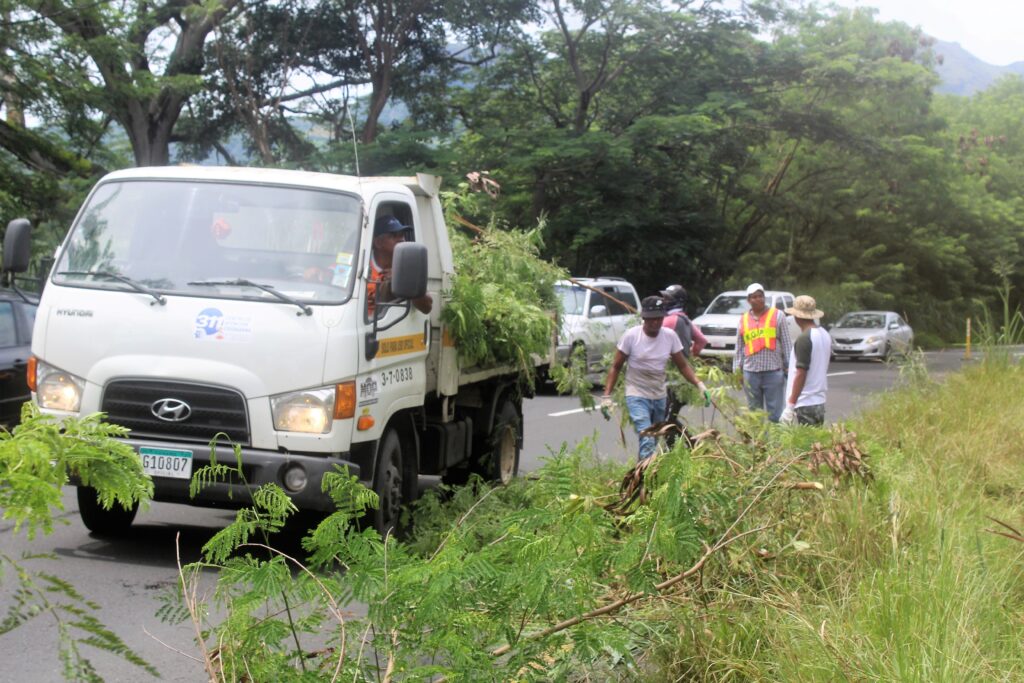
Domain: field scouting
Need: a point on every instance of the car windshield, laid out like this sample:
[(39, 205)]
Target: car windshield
[(864, 321), (171, 236), (728, 304), (572, 297)]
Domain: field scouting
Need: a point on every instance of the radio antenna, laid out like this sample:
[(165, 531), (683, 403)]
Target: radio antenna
[(352, 128)]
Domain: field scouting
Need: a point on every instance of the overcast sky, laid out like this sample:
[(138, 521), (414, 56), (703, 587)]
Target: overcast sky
[(992, 30)]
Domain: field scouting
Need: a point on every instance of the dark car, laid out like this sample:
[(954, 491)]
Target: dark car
[(16, 319)]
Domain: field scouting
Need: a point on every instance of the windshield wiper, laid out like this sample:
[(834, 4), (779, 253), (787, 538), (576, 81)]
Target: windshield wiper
[(241, 282), (137, 286)]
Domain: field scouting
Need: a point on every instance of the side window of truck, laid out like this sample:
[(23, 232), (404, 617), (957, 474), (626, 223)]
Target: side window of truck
[(381, 248), (626, 296)]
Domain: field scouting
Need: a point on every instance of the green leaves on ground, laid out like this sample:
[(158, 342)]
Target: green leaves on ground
[(508, 583)]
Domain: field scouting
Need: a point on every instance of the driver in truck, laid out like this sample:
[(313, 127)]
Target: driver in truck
[(387, 232)]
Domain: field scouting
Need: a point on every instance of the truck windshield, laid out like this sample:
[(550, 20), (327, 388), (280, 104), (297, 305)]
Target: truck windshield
[(179, 237), (572, 298), (728, 304)]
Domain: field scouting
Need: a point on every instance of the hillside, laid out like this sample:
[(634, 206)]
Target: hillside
[(964, 74)]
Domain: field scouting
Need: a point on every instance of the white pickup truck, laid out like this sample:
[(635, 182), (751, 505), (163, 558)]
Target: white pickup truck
[(192, 302)]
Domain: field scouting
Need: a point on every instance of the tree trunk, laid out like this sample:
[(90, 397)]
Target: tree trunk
[(378, 100)]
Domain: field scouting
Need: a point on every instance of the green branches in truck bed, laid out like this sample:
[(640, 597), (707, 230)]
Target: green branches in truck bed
[(501, 306)]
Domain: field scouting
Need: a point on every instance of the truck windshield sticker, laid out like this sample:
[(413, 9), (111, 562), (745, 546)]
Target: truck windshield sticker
[(397, 346), (340, 275), (344, 258), (212, 325)]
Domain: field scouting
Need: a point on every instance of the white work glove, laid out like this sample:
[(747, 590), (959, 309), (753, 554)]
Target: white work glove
[(788, 415), (704, 394)]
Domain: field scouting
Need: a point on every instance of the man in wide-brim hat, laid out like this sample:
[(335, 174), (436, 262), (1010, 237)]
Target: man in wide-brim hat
[(808, 366)]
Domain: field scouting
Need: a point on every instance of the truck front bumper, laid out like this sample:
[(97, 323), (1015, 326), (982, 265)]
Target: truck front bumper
[(258, 467)]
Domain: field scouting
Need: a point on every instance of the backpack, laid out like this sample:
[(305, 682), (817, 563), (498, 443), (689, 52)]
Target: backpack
[(682, 326)]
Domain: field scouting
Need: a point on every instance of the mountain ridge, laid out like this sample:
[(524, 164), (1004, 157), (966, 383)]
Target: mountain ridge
[(962, 73)]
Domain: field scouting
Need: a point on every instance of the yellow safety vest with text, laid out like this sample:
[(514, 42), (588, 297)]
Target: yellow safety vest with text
[(757, 337)]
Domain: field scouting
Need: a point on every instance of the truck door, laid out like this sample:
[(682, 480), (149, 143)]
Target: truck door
[(395, 377)]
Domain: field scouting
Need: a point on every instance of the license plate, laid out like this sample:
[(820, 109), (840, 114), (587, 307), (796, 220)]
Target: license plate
[(717, 345), (166, 462)]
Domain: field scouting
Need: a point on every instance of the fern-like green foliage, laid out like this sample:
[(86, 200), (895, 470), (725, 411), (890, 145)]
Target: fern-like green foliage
[(42, 454), (489, 567), (501, 305), (37, 459)]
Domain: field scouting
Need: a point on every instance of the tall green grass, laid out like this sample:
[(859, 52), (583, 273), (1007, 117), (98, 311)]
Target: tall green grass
[(901, 580)]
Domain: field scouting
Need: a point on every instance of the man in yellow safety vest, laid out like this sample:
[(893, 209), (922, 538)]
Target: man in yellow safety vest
[(762, 354)]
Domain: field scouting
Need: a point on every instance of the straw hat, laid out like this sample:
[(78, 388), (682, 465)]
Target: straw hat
[(805, 307)]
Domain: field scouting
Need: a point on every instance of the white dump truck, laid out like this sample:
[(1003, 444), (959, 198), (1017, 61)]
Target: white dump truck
[(193, 304)]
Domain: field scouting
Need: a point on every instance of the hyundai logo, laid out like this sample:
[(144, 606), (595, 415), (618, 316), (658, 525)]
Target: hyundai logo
[(171, 410)]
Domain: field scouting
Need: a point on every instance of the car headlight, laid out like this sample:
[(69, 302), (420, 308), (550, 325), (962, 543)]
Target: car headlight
[(873, 339), (58, 390)]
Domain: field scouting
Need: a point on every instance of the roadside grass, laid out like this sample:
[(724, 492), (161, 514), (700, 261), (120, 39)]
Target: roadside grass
[(901, 580)]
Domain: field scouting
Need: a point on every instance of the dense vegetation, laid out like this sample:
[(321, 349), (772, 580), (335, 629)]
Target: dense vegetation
[(804, 148), (886, 550)]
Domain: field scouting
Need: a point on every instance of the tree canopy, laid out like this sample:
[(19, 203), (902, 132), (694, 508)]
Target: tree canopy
[(663, 142)]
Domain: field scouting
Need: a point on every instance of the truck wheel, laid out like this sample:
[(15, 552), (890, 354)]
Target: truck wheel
[(112, 522), (387, 484), (503, 460)]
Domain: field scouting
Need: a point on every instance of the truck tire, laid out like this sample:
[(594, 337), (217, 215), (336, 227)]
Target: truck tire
[(387, 484), (502, 464), (117, 520)]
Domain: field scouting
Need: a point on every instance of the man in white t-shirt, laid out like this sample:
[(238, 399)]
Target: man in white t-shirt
[(645, 350), (808, 366)]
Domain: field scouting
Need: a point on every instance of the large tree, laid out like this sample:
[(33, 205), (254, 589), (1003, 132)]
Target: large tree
[(134, 63)]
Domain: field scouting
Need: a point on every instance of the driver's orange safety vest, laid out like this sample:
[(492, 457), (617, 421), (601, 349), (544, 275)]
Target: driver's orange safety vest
[(755, 337)]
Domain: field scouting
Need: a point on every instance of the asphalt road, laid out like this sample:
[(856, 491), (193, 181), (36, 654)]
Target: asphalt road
[(126, 575)]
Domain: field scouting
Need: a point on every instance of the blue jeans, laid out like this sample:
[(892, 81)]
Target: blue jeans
[(766, 391), (644, 412)]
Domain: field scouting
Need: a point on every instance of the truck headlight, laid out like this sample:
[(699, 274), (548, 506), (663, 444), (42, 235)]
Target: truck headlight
[(58, 390), (310, 411)]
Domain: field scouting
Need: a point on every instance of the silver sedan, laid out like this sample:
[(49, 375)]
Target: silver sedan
[(871, 334)]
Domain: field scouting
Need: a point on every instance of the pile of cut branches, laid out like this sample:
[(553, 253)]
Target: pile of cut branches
[(539, 580), (501, 308)]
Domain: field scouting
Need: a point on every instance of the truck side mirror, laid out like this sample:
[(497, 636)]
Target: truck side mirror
[(598, 311), (17, 246), (409, 270)]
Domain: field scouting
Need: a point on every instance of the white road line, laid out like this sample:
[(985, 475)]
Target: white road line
[(840, 374), (567, 412)]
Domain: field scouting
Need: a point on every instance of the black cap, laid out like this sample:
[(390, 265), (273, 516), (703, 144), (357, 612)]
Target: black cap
[(385, 225), (675, 294), (652, 307)]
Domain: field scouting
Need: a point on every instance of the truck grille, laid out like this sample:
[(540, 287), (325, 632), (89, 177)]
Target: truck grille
[(718, 331), (211, 410)]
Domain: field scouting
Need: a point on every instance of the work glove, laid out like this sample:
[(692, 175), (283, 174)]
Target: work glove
[(788, 415), (705, 393), (607, 406)]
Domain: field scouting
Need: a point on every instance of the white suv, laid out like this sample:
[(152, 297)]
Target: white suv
[(721, 319), (592, 320)]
